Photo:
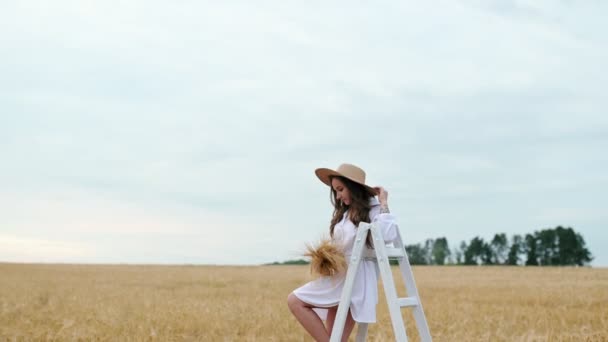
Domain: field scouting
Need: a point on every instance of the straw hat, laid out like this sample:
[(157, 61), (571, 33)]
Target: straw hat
[(350, 171)]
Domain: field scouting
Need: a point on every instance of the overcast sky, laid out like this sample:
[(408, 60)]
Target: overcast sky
[(189, 131)]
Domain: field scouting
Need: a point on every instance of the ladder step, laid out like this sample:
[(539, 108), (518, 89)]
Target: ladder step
[(395, 252), (378, 255), (391, 252), (407, 301)]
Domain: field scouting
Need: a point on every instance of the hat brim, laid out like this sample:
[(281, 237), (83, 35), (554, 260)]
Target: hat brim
[(325, 174)]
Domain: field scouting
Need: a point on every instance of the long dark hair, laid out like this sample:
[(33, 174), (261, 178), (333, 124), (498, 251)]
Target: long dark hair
[(359, 206)]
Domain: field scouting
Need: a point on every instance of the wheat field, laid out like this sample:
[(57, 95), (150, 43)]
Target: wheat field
[(248, 303)]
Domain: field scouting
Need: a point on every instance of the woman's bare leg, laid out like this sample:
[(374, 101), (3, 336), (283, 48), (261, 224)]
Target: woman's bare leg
[(308, 318), (348, 325)]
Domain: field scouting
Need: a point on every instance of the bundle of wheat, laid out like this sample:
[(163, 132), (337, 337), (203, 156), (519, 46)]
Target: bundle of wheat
[(327, 258)]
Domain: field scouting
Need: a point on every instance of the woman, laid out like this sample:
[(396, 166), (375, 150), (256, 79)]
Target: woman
[(318, 300)]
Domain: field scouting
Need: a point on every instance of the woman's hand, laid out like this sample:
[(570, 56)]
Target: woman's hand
[(382, 195)]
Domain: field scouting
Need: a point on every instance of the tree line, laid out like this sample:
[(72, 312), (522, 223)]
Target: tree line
[(547, 247)]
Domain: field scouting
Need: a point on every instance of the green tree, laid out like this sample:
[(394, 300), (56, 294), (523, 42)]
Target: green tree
[(515, 250), (428, 251), (459, 253), (547, 249), (530, 250), (440, 251), (571, 245), (486, 254), (416, 254), (558, 246), (474, 253), (499, 249)]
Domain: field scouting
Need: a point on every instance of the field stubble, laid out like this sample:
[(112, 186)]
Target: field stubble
[(248, 303)]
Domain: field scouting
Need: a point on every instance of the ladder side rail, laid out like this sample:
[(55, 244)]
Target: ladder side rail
[(361, 332), (353, 267), (389, 285), (406, 269), (412, 291)]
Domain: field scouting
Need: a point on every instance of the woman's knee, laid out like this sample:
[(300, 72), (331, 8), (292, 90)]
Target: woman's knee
[(292, 301)]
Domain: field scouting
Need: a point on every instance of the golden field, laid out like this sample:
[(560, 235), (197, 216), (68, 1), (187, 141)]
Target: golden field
[(225, 303)]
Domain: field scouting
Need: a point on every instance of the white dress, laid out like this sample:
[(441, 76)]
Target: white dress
[(325, 292)]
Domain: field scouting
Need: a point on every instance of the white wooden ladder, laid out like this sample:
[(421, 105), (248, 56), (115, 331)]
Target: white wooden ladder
[(381, 253)]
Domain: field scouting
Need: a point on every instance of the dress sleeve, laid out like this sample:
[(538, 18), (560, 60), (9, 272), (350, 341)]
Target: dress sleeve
[(386, 222)]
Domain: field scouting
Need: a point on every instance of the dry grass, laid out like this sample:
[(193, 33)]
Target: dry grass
[(168, 303), (326, 259)]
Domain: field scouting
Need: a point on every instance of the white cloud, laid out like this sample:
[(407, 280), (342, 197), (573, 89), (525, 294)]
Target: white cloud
[(572, 214), (152, 118), (14, 248)]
